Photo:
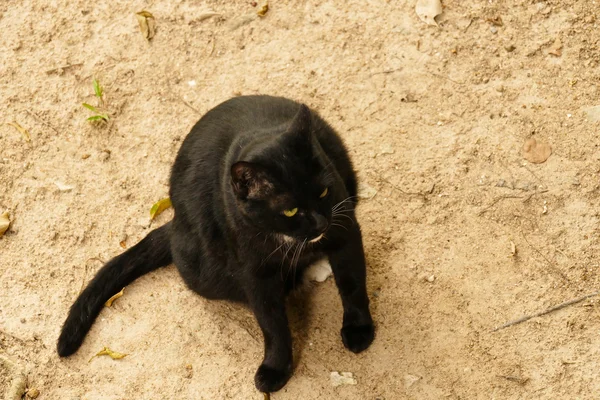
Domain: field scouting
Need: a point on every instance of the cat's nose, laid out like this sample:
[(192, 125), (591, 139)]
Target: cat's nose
[(321, 223)]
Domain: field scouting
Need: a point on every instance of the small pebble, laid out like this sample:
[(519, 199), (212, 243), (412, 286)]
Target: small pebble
[(33, 393), (63, 187), (104, 155), (431, 278), (493, 29), (23, 320), (410, 380), (189, 371)]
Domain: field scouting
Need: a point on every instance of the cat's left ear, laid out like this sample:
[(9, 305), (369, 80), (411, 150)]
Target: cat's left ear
[(250, 181), (301, 124)]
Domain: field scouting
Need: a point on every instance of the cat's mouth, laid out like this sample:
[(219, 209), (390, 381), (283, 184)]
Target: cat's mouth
[(290, 239), (315, 240)]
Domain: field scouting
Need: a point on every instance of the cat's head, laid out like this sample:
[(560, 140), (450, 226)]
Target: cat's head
[(286, 185)]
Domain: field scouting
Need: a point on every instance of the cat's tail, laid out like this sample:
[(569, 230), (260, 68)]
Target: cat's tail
[(153, 252)]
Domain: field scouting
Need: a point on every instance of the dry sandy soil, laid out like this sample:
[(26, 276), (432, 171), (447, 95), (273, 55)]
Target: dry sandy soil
[(462, 233)]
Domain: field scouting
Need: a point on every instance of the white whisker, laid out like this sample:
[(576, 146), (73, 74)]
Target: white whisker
[(343, 215), (341, 226)]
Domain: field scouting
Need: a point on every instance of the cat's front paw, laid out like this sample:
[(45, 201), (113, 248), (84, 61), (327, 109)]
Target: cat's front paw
[(268, 379), (358, 338)]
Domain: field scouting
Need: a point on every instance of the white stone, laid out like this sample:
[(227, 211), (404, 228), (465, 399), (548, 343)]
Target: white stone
[(344, 378)]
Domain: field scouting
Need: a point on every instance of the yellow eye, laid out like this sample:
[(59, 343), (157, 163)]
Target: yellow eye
[(324, 193), (291, 212)]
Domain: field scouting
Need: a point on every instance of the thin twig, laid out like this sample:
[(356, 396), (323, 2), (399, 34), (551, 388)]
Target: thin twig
[(547, 311), (212, 49), (83, 281), (493, 203), (533, 173), (387, 71), (420, 194), (191, 107), (514, 378), (41, 120), (533, 194), (554, 267), (58, 69)]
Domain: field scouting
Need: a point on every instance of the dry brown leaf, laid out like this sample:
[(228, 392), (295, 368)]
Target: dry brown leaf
[(536, 152), (159, 207), (147, 24), (116, 296), (4, 223), (23, 131), (556, 48), (108, 352), (427, 10), (263, 10)]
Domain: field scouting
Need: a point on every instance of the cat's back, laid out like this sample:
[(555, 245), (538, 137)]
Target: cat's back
[(243, 114), (210, 138)]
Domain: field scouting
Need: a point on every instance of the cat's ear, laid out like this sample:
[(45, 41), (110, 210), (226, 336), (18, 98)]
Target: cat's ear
[(301, 124), (250, 181)]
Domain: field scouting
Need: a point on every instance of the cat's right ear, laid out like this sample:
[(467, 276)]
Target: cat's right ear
[(250, 181)]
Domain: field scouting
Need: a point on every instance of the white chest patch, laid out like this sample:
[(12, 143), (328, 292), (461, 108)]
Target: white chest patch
[(319, 271)]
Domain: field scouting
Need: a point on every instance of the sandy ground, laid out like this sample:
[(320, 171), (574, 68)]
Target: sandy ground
[(435, 119)]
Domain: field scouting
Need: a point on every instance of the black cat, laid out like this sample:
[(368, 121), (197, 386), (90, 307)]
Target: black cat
[(262, 187)]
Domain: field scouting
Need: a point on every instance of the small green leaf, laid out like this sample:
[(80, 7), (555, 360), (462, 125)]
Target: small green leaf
[(102, 117), (23, 131), (108, 352), (159, 207), (90, 107), (98, 89)]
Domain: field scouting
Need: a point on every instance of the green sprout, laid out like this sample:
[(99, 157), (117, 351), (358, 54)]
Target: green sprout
[(99, 115), (98, 89)]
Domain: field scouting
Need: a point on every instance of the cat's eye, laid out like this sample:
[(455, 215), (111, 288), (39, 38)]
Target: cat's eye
[(324, 193), (291, 212)]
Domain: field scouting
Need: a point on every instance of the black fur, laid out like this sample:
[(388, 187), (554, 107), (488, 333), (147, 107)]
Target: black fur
[(244, 163)]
